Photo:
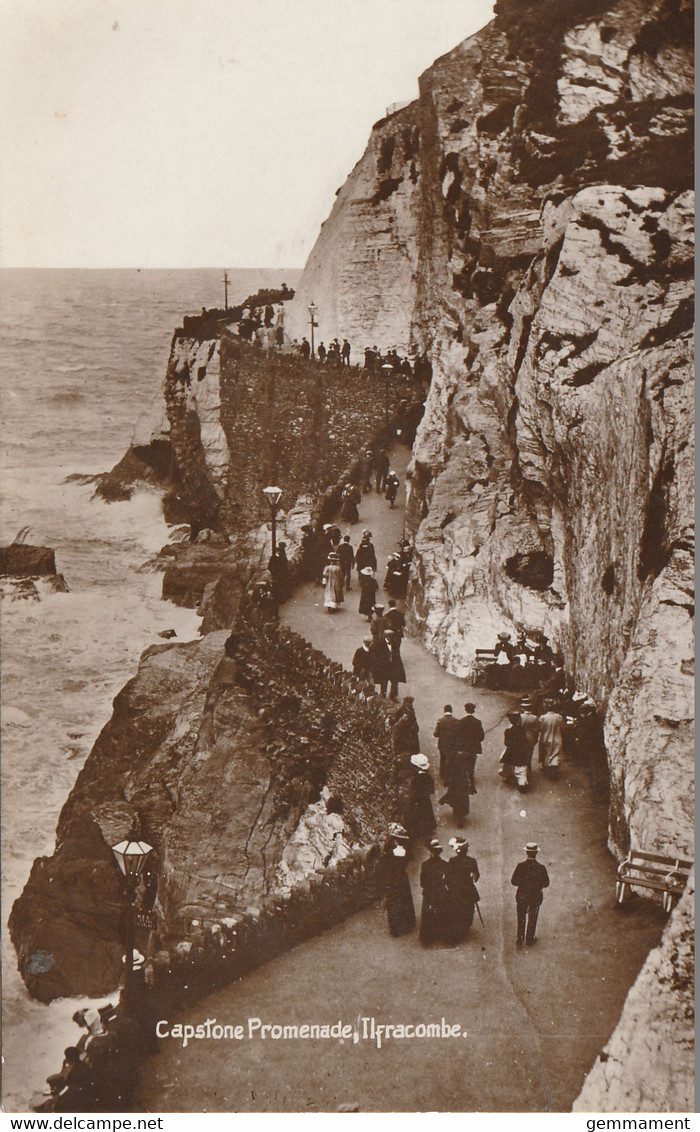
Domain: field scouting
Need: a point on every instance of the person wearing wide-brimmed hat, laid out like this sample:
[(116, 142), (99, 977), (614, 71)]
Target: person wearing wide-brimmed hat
[(391, 487), (415, 792), (400, 912), (334, 583), (361, 660), (461, 875), (368, 591), (378, 624), (365, 555), (432, 882), (348, 503), (529, 878)]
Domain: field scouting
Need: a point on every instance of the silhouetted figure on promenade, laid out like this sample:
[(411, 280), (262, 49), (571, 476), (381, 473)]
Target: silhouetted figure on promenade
[(362, 660), (346, 557), (529, 878), (461, 875), (434, 885), (381, 470), (446, 732), (470, 738), (400, 913), (391, 488), (397, 671), (515, 760)]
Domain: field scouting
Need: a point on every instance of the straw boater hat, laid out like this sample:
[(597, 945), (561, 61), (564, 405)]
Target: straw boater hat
[(434, 845), (459, 844), (378, 608), (532, 848), (421, 761), (333, 557), (327, 526), (504, 636), (367, 570)]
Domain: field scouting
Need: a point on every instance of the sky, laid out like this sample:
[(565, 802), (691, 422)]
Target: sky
[(196, 133)]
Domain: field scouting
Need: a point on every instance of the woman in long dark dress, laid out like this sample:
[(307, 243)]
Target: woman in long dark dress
[(349, 500), (461, 875), (368, 590), (400, 912), (397, 672), (433, 884), (420, 819)]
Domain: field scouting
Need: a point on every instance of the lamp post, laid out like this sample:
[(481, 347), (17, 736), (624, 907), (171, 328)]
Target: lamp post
[(273, 496), (131, 856), (313, 311)]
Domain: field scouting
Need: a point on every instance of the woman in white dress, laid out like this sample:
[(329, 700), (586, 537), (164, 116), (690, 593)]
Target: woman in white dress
[(333, 581)]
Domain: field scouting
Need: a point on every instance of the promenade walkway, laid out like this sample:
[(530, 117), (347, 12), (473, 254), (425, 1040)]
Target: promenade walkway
[(533, 1020)]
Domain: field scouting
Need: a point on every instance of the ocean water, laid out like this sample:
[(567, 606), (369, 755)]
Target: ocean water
[(82, 366)]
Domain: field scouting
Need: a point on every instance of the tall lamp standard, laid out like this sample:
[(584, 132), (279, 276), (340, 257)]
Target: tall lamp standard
[(273, 496), (131, 856), (313, 311)]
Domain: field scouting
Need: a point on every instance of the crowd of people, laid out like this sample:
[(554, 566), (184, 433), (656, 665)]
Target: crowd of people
[(533, 734), (449, 893)]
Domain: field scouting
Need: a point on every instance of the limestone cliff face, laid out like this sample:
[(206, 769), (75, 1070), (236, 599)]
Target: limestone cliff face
[(551, 244), (370, 236), (550, 486)]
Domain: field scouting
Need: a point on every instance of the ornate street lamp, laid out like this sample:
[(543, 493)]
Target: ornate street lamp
[(313, 311), (273, 496), (131, 856)]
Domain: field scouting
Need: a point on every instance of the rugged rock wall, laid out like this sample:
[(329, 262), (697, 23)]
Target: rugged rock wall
[(552, 248), (651, 1056), (240, 418), (551, 480), (371, 236), (248, 772)]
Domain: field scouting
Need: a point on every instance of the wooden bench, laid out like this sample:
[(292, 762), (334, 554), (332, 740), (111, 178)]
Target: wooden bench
[(483, 659), (656, 871)]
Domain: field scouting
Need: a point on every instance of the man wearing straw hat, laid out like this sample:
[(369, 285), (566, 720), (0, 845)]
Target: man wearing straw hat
[(529, 878)]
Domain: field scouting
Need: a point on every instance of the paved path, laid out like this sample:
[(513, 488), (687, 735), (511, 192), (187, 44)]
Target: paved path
[(534, 1019)]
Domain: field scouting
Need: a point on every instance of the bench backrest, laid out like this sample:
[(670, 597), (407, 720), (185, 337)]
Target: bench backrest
[(641, 859)]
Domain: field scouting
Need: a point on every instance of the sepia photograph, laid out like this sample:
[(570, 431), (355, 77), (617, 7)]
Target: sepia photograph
[(347, 557)]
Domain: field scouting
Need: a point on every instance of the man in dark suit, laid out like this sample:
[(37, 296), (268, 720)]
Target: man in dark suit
[(529, 878), (447, 734), (471, 736)]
